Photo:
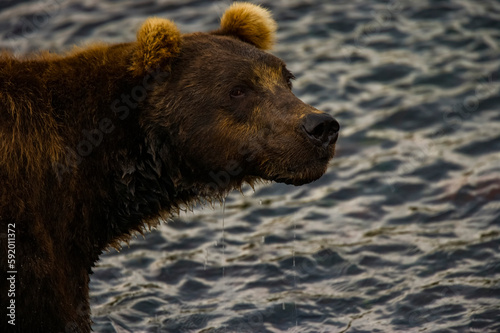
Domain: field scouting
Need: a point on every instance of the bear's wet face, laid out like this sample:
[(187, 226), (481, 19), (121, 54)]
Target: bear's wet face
[(229, 107)]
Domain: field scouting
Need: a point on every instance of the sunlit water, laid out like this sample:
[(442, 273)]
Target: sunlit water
[(402, 233)]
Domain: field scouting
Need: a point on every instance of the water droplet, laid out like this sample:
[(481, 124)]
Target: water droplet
[(222, 238), (283, 305), (260, 202), (263, 240), (293, 244), (206, 260), (294, 269)]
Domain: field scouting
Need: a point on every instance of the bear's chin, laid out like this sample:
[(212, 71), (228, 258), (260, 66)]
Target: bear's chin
[(300, 177)]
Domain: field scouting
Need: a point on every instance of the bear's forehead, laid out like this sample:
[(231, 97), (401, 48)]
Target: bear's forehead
[(227, 49)]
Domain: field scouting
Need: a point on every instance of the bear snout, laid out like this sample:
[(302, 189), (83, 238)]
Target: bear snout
[(321, 128)]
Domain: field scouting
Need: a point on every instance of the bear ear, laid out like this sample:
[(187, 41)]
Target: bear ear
[(250, 23), (158, 41)]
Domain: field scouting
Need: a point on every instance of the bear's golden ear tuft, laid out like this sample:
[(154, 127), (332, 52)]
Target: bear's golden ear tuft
[(250, 23), (158, 41)]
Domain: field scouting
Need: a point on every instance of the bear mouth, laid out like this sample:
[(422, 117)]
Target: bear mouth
[(301, 175), (292, 181)]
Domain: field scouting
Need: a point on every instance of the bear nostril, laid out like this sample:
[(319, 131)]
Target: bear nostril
[(321, 128), (318, 131)]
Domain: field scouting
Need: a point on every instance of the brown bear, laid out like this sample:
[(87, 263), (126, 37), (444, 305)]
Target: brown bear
[(108, 140)]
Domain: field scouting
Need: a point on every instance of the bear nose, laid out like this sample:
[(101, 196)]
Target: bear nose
[(321, 128)]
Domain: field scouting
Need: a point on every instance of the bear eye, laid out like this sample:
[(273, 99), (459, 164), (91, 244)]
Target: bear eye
[(237, 92)]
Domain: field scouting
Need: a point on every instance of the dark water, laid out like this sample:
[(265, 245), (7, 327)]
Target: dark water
[(403, 232)]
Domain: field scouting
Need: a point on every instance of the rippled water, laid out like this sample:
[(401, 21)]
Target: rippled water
[(402, 233)]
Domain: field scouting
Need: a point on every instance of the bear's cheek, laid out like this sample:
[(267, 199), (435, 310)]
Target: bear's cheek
[(220, 143)]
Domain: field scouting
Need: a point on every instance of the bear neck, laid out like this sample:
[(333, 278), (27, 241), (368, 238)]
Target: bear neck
[(151, 184)]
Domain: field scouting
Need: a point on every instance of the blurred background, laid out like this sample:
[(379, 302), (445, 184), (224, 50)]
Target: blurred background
[(403, 232)]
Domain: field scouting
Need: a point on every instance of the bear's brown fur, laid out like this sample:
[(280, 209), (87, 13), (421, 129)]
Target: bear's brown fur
[(106, 140)]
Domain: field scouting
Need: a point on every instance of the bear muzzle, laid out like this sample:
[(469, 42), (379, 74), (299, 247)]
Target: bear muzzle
[(321, 129)]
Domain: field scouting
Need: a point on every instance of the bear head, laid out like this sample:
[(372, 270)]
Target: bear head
[(226, 111)]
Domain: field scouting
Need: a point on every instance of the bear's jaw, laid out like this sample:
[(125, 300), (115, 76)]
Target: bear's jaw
[(299, 174), (300, 177)]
